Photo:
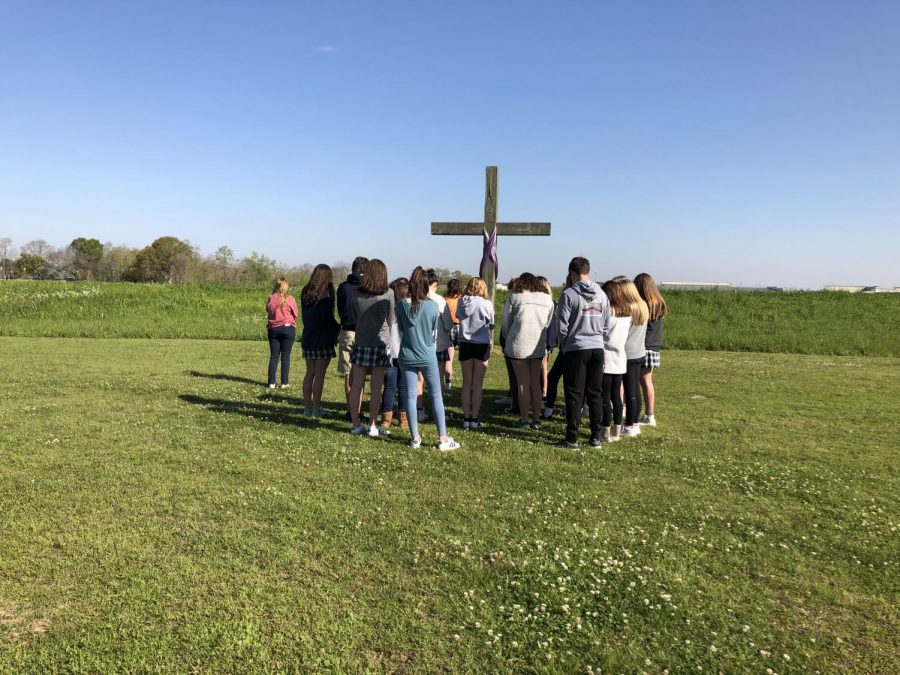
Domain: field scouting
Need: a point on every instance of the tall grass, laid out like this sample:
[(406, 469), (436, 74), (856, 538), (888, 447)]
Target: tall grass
[(794, 322)]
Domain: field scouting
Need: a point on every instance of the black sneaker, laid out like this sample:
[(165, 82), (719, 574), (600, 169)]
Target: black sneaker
[(568, 445), (536, 425), (596, 441)]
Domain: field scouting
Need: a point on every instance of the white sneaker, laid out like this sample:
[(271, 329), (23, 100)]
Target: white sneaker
[(271, 386), (503, 400), (285, 386), (415, 442), (449, 444), (476, 424), (631, 431), (375, 432), (547, 414), (648, 420), (360, 430)]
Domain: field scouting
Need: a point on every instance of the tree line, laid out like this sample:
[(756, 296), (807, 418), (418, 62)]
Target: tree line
[(166, 260)]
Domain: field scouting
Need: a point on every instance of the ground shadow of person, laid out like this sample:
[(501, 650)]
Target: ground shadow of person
[(224, 376)]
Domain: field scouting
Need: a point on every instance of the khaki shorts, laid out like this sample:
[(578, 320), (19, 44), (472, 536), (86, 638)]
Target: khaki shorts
[(346, 340)]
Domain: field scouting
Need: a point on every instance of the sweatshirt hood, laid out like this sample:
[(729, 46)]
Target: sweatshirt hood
[(587, 289), (467, 300)]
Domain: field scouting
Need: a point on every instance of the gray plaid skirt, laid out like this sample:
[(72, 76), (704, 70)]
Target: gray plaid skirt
[(651, 359), (320, 353), (443, 356), (370, 357)]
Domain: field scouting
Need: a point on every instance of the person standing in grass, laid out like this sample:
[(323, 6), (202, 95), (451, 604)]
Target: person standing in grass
[(635, 352), (584, 322), (476, 326), (555, 374), (418, 318), (445, 325), (346, 294), (394, 387), (526, 319), (282, 331), (454, 291), (614, 361), (653, 342), (373, 314), (319, 337)]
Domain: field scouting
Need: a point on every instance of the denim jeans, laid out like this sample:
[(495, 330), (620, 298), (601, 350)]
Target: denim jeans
[(432, 376), (394, 389), (281, 341)]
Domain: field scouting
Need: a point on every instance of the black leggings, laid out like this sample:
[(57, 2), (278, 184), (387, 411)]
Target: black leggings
[(633, 391), (612, 399), (553, 377)]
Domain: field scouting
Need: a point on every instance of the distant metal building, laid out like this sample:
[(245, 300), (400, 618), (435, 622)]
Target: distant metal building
[(697, 285)]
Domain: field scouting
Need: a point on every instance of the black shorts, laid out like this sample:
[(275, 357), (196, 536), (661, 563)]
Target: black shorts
[(474, 350)]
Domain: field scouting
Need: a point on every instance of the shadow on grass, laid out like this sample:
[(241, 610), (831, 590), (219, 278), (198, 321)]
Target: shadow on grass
[(224, 376)]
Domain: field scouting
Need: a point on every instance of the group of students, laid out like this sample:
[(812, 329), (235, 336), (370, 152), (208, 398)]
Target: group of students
[(403, 337)]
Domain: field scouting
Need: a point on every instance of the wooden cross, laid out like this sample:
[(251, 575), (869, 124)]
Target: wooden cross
[(490, 229)]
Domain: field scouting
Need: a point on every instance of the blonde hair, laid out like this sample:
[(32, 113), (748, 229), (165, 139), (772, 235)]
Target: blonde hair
[(476, 286), (281, 287), (639, 310)]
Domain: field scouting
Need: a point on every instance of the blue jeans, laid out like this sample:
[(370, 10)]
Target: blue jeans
[(394, 389), (432, 376), (281, 341)]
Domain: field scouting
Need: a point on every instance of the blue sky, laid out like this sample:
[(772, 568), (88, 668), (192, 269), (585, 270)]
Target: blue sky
[(756, 142)]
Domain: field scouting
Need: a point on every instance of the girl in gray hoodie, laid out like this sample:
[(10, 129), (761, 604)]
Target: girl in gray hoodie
[(475, 312)]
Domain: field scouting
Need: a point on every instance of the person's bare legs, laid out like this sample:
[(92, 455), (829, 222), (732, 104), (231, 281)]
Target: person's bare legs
[(358, 383), (649, 391), (308, 379), (535, 367), (468, 383), (544, 371), (522, 369), (318, 384), (375, 386), (448, 366), (479, 368)]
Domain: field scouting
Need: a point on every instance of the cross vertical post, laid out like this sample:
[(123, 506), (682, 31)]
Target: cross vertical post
[(488, 267)]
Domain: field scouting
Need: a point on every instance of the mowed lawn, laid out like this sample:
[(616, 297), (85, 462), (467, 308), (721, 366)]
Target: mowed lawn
[(161, 510)]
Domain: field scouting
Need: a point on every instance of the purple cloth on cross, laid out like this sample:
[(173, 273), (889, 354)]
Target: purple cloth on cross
[(490, 253)]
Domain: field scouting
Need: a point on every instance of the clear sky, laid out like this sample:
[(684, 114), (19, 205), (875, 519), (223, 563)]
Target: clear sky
[(752, 142)]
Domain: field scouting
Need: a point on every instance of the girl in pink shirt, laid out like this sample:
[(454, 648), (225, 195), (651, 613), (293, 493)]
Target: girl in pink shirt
[(282, 329)]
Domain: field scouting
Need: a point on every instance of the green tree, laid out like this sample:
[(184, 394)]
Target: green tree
[(163, 261), (258, 268), (29, 266), (87, 256)]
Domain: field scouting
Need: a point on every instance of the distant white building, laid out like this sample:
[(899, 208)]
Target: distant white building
[(863, 289), (697, 285)]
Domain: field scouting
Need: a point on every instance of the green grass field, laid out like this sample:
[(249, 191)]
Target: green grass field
[(161, 510), (801, 323)]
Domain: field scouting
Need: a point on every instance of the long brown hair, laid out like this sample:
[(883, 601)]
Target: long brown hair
[(375, 278), (418, 288), (281, 287), (651, 295), (616, 297), (321, 281)]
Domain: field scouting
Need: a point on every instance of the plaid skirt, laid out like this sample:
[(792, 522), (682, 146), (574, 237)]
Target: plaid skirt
[(651, 359), (320, 353), (370, 357), (443, 356)]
